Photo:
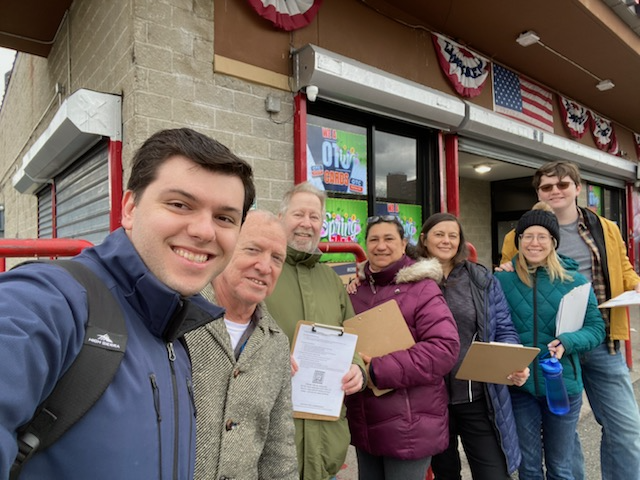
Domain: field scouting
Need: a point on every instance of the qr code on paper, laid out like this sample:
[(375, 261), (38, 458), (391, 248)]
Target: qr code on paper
[(318, 377)]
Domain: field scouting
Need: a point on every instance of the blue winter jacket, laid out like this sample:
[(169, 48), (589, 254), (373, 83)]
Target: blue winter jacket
[(143, 427), (534, 310), (493, 310)]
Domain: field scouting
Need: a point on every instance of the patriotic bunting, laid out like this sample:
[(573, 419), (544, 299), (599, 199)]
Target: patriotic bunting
[(287, 14), (519, 98), (636, 137), (575, 117), (466, 71), (603, 134)]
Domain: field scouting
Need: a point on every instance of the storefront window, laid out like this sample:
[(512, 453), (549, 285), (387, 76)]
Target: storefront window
[(369, 165), (396, 168)]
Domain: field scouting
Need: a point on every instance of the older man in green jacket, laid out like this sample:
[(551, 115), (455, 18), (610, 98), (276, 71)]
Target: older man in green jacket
[(308, 290)]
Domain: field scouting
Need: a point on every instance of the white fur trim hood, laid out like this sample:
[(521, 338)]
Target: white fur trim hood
[(423, 268)]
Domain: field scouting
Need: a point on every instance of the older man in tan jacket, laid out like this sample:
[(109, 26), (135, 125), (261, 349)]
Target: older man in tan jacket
[(241, 367)]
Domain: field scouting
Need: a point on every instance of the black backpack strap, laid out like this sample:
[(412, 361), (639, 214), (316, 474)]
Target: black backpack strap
[(88, 376)]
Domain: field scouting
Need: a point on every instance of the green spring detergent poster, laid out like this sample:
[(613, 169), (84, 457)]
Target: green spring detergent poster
[(346, 221)]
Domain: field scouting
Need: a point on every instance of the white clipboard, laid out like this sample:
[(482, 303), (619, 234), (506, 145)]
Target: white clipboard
[(324, 354)]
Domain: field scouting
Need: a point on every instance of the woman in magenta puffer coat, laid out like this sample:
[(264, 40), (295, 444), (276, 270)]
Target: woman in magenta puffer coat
[(396, 434)]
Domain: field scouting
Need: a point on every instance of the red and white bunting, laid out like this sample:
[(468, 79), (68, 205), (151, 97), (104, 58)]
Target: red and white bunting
[(603, 134), (467, 71), (287, 14), (574, 116)]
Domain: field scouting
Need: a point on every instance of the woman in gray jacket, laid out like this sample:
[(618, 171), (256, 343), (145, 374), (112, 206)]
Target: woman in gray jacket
[(479, 413)]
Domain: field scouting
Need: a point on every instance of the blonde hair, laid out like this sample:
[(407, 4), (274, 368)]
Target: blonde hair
[(553, 266)]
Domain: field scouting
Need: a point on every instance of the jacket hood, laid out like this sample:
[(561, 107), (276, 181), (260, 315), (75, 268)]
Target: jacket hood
[(423, 268), (295, 257), (568, 263), (405, 270)]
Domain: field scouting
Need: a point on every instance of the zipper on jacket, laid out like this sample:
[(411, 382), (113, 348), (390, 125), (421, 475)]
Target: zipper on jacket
[(176, 409), (193, 412), (156, 404), (372, 284), (535, 330)]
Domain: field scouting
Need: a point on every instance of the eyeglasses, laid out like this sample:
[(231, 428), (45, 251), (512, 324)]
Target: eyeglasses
[(383, 218), (549, 186), (529, 237)]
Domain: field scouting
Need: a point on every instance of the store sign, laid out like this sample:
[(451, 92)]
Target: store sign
[(337, 160)]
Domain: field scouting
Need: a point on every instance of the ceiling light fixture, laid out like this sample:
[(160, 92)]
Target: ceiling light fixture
[(482, 168), (528, 38), (605, 85)]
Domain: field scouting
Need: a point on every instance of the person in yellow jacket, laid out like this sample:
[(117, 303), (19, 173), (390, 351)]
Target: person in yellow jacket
[(597, 245)]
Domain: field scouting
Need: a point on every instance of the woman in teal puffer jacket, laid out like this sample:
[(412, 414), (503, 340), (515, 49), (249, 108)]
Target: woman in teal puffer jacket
[(534, 291)]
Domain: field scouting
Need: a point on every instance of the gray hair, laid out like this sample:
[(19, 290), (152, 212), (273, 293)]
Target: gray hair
[(304, 187)]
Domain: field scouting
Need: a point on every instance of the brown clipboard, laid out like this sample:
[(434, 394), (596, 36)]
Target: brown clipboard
[(307, 415), (492, 362), (381, 330)]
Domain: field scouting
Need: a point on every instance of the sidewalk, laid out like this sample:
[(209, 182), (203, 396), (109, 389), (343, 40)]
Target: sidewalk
[(588, 428)]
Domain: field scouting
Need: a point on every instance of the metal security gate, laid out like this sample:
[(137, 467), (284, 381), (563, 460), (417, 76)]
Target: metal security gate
[(81, 199)]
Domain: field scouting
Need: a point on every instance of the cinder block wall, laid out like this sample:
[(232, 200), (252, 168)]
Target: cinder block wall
[(92, 50), (158, 55), (475, 216), (176, 86)]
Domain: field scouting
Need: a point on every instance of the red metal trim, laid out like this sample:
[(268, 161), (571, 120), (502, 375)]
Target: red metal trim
[(630, 216), (44, 247), (300, 139), (631, 253), (115, 184), (452, 169), (443, 203), (473, 252), (54, 211), (344, 247)]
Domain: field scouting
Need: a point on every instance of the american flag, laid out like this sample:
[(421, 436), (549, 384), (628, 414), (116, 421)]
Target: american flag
[(517, 97)]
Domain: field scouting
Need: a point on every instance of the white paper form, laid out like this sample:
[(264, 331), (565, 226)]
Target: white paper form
[(324, 355), (572, 309), (625, 299)]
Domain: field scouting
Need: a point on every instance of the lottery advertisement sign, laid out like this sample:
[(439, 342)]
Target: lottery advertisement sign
[(410, 217), (337, 160)]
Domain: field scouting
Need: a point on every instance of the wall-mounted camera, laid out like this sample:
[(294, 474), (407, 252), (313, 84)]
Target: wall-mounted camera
[(312, 93)]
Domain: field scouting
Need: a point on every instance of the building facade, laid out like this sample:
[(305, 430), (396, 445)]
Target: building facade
[(356, 100)]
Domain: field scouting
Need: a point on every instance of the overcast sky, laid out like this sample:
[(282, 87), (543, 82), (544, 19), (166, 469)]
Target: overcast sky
[(6, 62)]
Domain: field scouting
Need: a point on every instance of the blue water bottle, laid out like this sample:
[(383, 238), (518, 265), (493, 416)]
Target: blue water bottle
[(557, 397)]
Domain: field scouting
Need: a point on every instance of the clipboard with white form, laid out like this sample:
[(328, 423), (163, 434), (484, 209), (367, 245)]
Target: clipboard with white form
[(381, 330), (625, 299), (492, 362), (572, 309), (324, 354)]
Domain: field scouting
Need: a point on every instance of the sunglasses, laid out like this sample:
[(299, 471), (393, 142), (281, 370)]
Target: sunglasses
[(383, 218), (549, 186)]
